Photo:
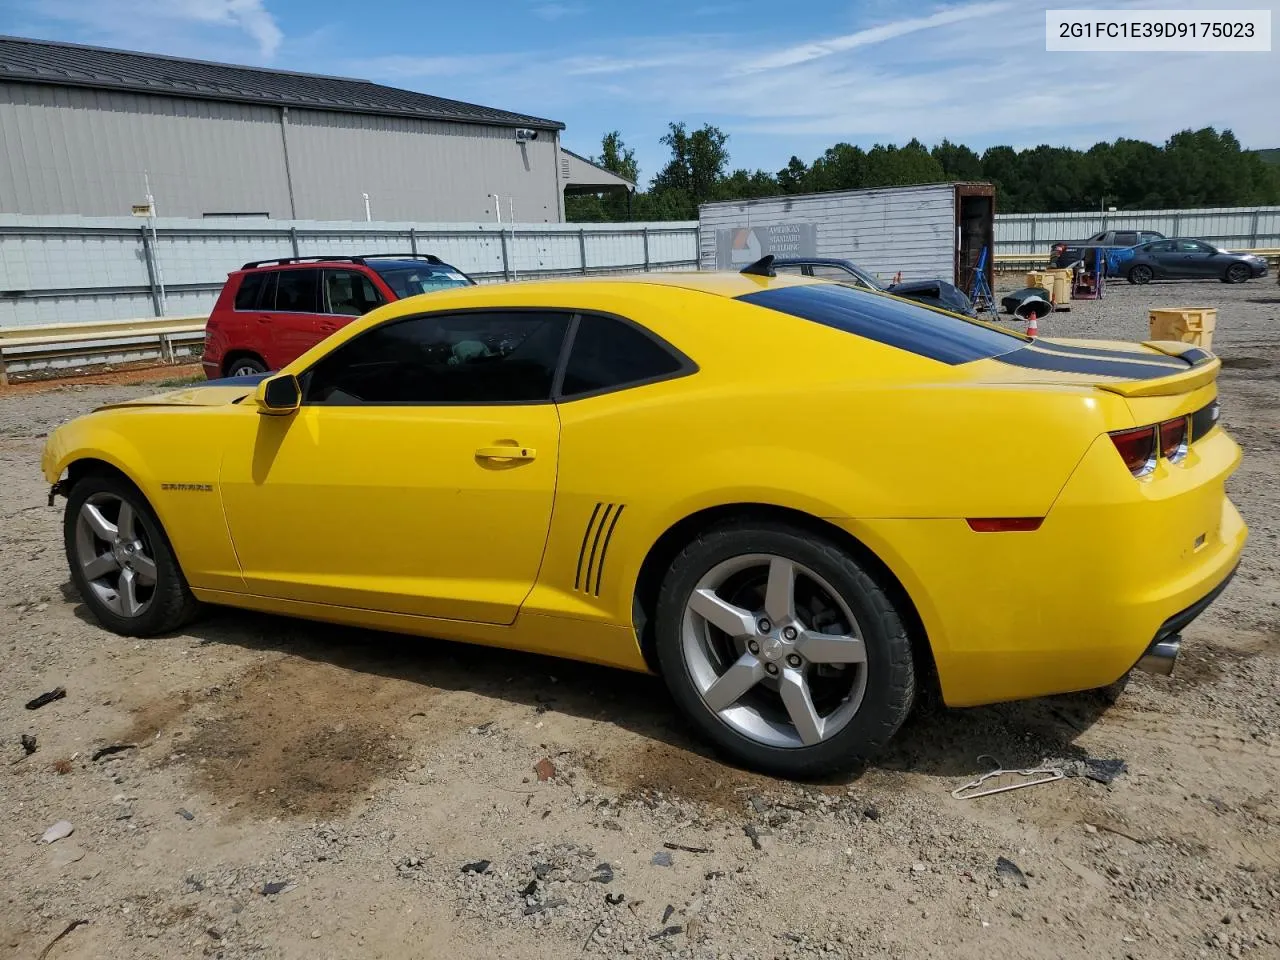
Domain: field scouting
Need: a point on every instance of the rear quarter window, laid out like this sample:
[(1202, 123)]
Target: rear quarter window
[(927, 333), (249, 291)]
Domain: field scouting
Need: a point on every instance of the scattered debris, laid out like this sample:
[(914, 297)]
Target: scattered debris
[(195, 883), (871, 813), (62, 765), (479, 867), (542, 870), (482, 729), (185, 814), (549, 905), (215, 933), (530, 888), (681, 846), (65, 854), (65, 930), (713, 875), (758, 804), (973, 789), (113, 749), (753, 835), (58, 831), (1121, 832), (667, 911), (662, 859), (545, 769), (603, 873), (667, 932), (28, 744), (1104, 771), (276, 887), (918, 867), (1006, 869), (57, 693), (613, 899), (612, 825)]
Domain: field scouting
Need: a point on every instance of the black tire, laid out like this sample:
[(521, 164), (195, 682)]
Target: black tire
[(1140, 274), (1238, 273), (891, 682), (171, 603), (245, 367)]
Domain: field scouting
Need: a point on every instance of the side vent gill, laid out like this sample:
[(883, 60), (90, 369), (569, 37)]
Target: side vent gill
[(595, 547)]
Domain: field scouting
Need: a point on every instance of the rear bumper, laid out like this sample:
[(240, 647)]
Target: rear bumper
[(1161, 655), (1116, 565)]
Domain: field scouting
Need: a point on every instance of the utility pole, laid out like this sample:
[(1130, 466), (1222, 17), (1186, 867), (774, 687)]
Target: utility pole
[(155, 248)]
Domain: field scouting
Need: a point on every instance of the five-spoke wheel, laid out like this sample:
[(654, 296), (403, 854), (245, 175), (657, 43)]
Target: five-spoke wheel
[(783, 649), (114, 556)]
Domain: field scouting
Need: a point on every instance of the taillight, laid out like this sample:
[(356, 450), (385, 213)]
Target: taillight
[(1173, 439), (1137, 449)]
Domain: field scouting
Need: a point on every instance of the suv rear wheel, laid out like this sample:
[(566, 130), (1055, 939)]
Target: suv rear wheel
[(245, 366)]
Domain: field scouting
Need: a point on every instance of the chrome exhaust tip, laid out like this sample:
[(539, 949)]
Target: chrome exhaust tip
[(1160, 656)]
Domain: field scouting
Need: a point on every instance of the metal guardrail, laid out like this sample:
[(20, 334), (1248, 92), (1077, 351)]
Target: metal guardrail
[(60, 341)]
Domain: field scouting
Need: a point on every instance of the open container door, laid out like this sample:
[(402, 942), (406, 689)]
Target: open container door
[(975, 228)]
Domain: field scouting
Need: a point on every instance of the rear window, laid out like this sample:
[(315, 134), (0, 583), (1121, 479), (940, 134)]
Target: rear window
[(250, 289), (938, 336)]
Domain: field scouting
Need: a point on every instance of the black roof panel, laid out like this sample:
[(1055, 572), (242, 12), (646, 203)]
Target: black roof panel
[(24, 60)]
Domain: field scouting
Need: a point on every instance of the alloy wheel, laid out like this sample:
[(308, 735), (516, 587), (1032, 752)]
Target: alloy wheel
[(774, 651), (1237, 273), (114, 553), (245, 370)]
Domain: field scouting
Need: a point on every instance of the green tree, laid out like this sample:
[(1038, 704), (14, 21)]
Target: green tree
[(958, 162), (617, 157), (697, 163), (793, 177)]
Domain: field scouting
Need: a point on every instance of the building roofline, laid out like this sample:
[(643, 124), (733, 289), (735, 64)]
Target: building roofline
[(590, 162), (176, 88)]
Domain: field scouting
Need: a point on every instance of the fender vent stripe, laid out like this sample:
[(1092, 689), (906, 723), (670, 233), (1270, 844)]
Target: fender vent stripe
[(598, 533)]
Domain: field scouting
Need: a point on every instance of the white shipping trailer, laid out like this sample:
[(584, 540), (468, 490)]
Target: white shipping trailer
[(934, 230)]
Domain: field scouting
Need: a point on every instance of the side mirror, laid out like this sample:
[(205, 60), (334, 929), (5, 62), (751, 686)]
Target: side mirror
[(279, 396)]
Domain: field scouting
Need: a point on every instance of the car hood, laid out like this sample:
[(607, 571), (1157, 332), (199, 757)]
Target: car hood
[(213, 393)]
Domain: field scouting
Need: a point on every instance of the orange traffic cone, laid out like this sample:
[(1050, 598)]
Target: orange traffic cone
[(1033, 326)]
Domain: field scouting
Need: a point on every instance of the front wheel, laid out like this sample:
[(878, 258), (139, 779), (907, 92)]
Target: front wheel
[(1140, 274), (782, 649), (121, 561), (1238, 273)]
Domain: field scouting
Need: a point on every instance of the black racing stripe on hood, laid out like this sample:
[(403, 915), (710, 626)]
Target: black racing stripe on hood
[(250, 381), (1089, 366), (1101, 353)]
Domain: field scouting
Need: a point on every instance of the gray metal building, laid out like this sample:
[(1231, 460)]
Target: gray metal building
[(80, 125)]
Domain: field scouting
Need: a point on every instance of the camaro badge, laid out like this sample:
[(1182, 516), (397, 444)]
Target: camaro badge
[(190, 487)]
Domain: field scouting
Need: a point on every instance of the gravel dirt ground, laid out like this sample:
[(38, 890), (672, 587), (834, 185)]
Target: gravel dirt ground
[(295, 790)]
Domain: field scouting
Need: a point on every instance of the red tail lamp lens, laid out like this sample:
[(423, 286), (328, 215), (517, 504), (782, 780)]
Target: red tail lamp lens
[(1173, 434), (1137, 449), (1003, 524)]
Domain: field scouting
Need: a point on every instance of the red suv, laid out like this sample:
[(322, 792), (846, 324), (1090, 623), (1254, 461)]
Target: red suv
[(270, 312)]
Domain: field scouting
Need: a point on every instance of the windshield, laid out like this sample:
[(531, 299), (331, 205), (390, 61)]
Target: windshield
[(929, 333), (420, 278)]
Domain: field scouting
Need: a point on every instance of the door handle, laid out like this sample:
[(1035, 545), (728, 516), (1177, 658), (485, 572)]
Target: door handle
[(506, 453)]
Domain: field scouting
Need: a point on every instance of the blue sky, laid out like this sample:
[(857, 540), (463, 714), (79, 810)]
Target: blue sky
[(779, 78)]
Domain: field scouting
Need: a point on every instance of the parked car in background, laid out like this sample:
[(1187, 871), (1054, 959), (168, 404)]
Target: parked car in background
[(1188, 259), (934, 293), (1066, 252), (270, 312)]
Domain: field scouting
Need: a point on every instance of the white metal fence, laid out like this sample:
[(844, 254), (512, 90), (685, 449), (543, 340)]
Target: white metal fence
[(1249, 228), (78, 269)]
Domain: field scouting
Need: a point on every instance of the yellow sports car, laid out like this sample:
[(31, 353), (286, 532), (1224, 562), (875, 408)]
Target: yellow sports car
[(796, 501)]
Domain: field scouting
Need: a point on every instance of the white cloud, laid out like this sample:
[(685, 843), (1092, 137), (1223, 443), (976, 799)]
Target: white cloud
[(791, 56), (243, 29), (556, 11)]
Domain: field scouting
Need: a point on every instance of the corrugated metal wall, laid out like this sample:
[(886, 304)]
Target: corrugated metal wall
[(908, 229), (77, 269), (72, 151), (418, 169), (1234, 227)]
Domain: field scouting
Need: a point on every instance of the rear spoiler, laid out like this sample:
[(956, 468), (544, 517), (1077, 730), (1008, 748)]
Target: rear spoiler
[(1203, 371)]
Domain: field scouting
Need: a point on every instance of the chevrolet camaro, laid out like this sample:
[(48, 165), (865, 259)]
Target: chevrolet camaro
[(797, 502)]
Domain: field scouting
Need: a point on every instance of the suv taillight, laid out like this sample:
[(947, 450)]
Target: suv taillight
[(1137, 448)]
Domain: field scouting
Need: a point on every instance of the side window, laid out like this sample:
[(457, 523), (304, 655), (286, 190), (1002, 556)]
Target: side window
[(1146, 235), (475, 357), (1126, 238), (250, 290), (349, 292), (1191, 246), (1164, 246), (296, 291), (791, 269), (608, 353)]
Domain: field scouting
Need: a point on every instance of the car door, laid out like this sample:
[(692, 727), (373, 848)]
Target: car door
[(296, 320), (1193, 259), (1159, 256), (418, 475), (346, 294)]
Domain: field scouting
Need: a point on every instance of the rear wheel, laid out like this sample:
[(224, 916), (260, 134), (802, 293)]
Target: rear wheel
[(1140, 274), (782, 650), (1238, 273), (121, 561), (245, 367)]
